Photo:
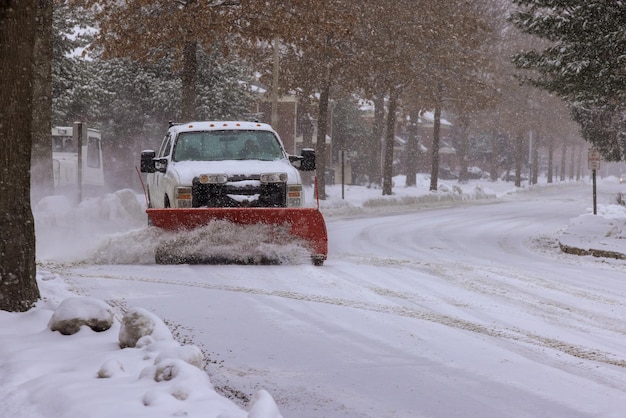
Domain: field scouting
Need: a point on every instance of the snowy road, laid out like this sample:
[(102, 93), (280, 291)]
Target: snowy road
[(465, 311)]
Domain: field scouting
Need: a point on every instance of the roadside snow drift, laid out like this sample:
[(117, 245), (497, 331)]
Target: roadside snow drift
[(102, 368)]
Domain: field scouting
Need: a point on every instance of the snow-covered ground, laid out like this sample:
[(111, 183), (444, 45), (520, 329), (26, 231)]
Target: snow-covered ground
[(46, 374)]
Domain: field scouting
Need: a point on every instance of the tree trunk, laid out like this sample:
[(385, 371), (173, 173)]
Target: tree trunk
[(434, 171), (463, 175), (563, 160), (18, 284), (494, 157), (535, 156), (307, 131), (579, 165), (190, 74), (275, 78), (306, 125), (389, 140), (375, 166), (550, 173), (519, 156), (572, 165), (42, 178), (320, 151), (412, 151)]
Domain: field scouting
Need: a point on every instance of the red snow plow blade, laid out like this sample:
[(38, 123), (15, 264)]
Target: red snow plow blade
[(305, 223)]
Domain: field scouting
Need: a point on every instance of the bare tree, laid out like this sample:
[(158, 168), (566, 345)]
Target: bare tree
[(388, 45), (18, 285), (148, 30), (459, 64), (315, 58)]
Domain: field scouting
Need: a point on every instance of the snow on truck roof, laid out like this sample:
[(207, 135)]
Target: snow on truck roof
[(220, 126)]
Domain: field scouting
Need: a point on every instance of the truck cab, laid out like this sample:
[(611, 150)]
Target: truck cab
[(221, 164)]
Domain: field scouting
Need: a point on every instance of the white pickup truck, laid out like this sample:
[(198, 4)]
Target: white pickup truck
[(224, 164), (233, 171)]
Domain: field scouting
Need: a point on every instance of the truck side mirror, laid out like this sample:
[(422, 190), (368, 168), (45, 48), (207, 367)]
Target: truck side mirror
[(308, 160), (147, 161)]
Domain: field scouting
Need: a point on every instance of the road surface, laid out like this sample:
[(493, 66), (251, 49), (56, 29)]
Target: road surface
[(469, 310)]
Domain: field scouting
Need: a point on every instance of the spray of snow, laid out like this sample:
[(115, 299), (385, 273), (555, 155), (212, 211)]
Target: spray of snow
[(67, 231), (114, 230)]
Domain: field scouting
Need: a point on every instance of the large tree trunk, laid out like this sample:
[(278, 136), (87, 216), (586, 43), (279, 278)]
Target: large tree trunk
[(42, 179), (18, 285), (412, 150), (320, 149), (434, 171), (389, 140), (189, 77)]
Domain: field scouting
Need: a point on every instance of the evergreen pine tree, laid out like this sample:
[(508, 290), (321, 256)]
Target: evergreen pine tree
[(583, 63)]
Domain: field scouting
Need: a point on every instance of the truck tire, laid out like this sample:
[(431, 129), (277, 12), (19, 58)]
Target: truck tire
[(318, 260)]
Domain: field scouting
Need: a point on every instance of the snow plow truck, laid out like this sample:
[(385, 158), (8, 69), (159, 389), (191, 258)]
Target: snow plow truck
[(233, 171)]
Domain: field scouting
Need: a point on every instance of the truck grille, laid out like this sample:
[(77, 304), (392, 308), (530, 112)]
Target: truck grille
[(239, 191)]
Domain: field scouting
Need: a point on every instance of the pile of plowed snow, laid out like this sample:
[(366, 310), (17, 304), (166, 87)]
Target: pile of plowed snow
[(217, 242)]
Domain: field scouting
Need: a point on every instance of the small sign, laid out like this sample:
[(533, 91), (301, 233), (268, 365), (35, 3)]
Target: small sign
[(594, 159)]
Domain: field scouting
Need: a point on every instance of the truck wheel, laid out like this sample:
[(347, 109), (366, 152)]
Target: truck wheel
[(317, 260)]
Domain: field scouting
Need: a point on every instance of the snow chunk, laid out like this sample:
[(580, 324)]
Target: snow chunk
[(264, 406), (188, 353), (111, 368), (180, 380), (138, 323), (75, 312)]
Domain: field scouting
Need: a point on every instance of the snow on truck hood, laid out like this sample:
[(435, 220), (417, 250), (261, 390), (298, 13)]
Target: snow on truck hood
[(187, 170)]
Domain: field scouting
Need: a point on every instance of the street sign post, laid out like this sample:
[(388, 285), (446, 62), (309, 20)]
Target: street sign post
[(593, 161)]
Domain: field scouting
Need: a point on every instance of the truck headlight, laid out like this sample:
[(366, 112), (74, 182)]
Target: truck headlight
[(183, 197), (294, 195), (213, 178), (273, 177)]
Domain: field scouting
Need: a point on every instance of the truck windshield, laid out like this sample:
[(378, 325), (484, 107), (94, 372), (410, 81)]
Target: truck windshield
[(227, 145)]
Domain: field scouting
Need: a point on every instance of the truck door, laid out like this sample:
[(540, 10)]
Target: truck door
[(155, 180)]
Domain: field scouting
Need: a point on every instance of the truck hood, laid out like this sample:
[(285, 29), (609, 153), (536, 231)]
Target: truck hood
[(185, 171)]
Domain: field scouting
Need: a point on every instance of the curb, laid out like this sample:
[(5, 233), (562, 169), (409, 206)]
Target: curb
[(594, 252)]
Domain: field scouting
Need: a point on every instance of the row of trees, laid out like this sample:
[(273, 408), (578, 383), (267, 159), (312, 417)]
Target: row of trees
[(405, 57)]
